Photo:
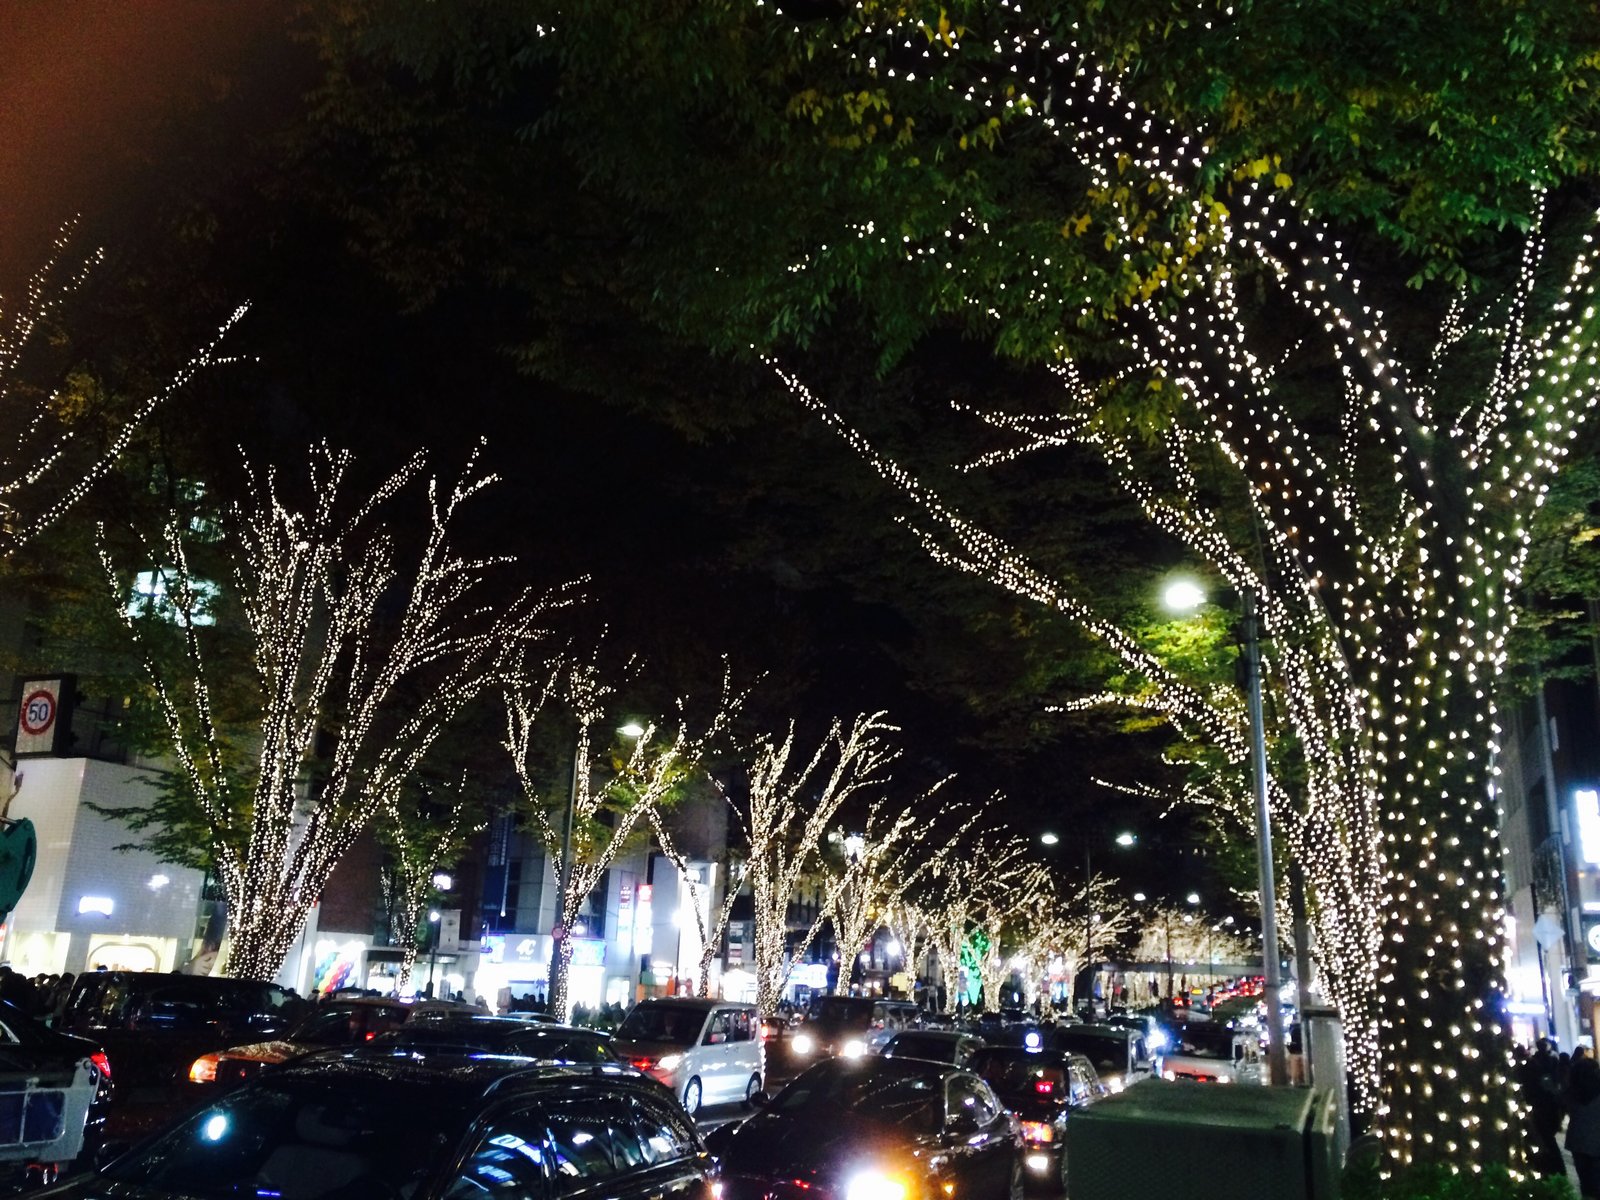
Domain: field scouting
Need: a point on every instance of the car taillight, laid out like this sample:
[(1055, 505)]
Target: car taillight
[(644, 1064), (204, 1069), (101, 1063), (1043, 1086)]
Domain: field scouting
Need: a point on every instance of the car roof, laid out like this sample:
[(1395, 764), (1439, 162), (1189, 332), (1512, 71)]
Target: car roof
[(942, 1035), (466, 1074), (485, 1025), (876, 1064), (690, 1002)]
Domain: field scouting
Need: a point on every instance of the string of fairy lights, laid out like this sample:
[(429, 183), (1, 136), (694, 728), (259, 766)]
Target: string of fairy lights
[(1384, 555), (39, 480), (309, 581)]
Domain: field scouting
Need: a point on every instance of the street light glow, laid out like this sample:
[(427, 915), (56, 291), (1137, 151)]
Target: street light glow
[(1183, 595), (442, 881), (632, 729), (1049, 839), (1139, 897), (1193, 897), (1126, 839)]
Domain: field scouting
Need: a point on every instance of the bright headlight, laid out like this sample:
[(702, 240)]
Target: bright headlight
[(875, 1185), (667, 1061), (1157, 1039), (803, 1043), (854, 1048), (1113, 1082)]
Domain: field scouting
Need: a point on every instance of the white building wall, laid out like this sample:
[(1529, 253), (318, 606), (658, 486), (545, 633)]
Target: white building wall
[(151, 923)]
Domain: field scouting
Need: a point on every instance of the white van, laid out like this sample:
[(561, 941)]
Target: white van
[(706, 1051)]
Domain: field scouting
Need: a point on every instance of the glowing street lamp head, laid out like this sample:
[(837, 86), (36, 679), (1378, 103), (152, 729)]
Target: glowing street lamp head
[(1126, 839), (632, 729), (1049, 839), (1193, 897), (1183, 595)]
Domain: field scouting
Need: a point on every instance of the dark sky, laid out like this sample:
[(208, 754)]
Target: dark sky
[(94, 98)]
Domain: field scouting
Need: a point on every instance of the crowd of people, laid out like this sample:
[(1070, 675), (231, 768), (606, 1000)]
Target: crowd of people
[(42, 996), (1562, 1089)]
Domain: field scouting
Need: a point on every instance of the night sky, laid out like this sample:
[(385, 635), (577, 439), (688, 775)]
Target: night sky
[(741, 540)]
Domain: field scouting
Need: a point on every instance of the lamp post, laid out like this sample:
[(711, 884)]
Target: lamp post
[(442, 883), (1183, 596), (1122, 839)]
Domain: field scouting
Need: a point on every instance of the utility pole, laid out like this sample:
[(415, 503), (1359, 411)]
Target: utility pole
[(1277, 1063)]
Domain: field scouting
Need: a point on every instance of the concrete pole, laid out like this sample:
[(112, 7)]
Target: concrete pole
[(1277, 1063)]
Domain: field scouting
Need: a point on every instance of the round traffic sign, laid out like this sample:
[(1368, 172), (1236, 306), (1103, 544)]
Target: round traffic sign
[(38, 712)]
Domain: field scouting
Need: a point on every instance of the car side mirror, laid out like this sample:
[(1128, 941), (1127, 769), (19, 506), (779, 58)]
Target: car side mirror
[(760, 1099), (108, 1152)]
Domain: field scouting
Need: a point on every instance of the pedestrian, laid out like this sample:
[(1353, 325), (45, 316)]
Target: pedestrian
[(1583, 1124), (1539, 1077)]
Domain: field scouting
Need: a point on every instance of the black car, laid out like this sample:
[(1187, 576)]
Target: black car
[(1114, 1053), (934, 1045), (501, 1035), (1041, 1088), (153, 1026), (846, 1025), (368, 1124), (874, 1129)]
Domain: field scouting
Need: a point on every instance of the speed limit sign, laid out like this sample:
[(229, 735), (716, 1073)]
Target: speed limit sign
[(40, 720)]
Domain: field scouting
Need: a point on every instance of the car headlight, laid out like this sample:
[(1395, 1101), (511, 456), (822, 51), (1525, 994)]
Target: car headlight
[(1113, 1083), (875, 1185), (667, 1061), (802, 1043), (854, 1048), (1157, 1039), (203, 1069), (1038, 1162)]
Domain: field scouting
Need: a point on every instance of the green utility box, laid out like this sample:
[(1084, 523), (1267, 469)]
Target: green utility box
[(1158, 1138)]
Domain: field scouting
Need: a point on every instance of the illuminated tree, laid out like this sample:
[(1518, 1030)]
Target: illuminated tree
[(985, 885), (789, 808), (1182, 940), (420, 840), (346, 642), (869, 872), (610, 797), (43, 471)]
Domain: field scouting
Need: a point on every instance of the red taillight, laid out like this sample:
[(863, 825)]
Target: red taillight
[(1043, 1086), (644, 1064), (371, 1033), (101, 1063)]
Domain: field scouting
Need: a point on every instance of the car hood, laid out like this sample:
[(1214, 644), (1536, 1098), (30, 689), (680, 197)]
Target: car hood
[(772, 1146), (93, 1187)]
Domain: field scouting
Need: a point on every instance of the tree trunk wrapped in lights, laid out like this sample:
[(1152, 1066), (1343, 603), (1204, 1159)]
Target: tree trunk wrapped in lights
[(629, 796), (1387, 552), (712, 926), (317, 587), (41, 475), (983, 886), (785, 820)]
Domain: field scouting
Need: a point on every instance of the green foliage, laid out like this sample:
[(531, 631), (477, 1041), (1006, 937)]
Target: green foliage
[(1557, 623), (1361, 1182)]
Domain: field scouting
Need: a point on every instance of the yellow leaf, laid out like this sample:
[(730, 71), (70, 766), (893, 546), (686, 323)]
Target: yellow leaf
[(1281, 180)]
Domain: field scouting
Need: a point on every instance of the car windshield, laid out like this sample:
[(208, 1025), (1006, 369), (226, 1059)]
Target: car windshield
[(343, 1024), (911, 1045), (842, 1010), (300, 1139), (662, 1023), (1208, 1043), (833, 1090), (1014, 1074)]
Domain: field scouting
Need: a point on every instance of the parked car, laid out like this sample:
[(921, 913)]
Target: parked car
[(1041, 1088), (846, 1025), (934, 1045), (367, 1124), (55, 1087), (483, 1034), (339, 1023), (874, 1129), (706, 1051), (1149, 1028)]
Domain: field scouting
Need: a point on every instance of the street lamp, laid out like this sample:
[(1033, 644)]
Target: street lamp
[(1184, 595), (1124, 839), (433, 947)]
